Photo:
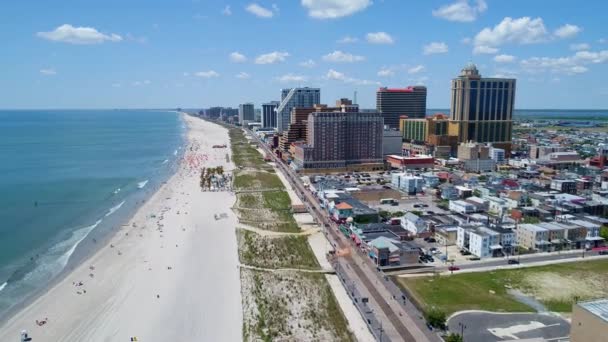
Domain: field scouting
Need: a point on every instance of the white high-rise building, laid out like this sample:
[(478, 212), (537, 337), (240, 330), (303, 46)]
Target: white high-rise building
[(295, 97)]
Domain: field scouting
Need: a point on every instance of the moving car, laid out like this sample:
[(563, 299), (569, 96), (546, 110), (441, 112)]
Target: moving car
[(453, 268), (513, 262)]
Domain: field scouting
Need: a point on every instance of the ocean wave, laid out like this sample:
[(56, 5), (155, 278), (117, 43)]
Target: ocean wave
[(76, 238), (175, 152), (114, 208), (141, 185), (116, 191), (3, 286), (165, 161)]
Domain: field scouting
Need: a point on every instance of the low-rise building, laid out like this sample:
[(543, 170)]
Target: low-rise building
[(480, 241), (533, 237), (407, 182), (414, 224), (462, 207), (564, 185), (589, 321)]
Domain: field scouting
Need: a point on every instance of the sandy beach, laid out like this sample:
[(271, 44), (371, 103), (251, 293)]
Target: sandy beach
[(168, 274)]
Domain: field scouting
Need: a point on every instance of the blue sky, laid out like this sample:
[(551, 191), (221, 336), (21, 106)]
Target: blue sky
[(189, 53)]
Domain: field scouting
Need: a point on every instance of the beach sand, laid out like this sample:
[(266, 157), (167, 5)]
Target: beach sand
[(169, 274)]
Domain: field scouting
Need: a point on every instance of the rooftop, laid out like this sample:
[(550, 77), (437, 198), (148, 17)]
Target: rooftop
[(597, 307)]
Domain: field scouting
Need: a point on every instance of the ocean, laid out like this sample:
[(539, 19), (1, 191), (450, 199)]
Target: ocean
[(68, 178)]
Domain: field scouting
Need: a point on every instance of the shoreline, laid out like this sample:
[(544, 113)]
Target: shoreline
[(121, 258), (106, 227)]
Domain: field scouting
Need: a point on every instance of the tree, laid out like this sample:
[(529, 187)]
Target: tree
[(604, 232), (436, 318), (531, 219), (453, 337)]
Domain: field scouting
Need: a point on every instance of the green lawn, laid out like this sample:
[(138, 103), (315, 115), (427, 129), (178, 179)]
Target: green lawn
[(556, 286)]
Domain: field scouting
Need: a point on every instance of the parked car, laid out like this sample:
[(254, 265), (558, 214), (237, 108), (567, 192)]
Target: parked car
[(431, 240), (603, 253), (453, 268), (513, 262)]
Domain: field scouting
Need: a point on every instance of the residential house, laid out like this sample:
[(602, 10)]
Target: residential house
[(533, 237), (414, 224)]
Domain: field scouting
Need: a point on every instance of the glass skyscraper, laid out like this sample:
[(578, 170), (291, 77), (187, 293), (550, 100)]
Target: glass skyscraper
[(482, 108)]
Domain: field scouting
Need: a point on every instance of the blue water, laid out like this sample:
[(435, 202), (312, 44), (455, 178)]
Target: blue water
[(67, 176)]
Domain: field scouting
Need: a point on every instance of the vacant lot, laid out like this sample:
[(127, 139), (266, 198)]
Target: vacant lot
[(555, 286)]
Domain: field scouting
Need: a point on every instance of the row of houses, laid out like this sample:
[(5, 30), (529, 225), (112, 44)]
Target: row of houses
[(568, 232)]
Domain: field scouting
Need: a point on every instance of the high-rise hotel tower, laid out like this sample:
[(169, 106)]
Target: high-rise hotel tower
[(482, 108)]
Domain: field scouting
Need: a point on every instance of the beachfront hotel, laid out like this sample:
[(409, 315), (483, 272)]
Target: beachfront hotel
[(482, 108)]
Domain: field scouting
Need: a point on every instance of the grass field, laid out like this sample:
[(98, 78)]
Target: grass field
[(277, 252), (556, 286)]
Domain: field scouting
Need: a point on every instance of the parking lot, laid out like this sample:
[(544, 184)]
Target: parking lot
[(421, 203), (481, 326)]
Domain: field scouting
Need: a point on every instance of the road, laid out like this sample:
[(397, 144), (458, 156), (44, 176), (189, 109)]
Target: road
[(524, 259), (399, 321)]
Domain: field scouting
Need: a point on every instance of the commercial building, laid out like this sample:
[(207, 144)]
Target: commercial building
[(391, 142), (269, 114), (589, 321), (246, 113), (475, 157), (414, 224), (407, 182), (542, 152), (296, 130), (421, 130), (567, 186), (410, 163), (395, 102), (482, 108), (295, 97), (341, 140), (497, 155)]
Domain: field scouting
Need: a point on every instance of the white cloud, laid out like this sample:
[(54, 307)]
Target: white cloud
[(385, 72), (379, 38), (342, 57), (338, 76), (227, 10), (348, 40), (141, 83), (461, 11), (237, 57), (523, 30), (291, 78), (207, 74), (186, 74), (570, 65), (592, 57), (416, 69), (259, 11), (48, 72), (308, 64), (435, 47), (579, 47), (67, 33), (271, 58), (335, 75), (484, 49), (567, 31), (602, 40), (504, 58), (332, 9), (242, 75)]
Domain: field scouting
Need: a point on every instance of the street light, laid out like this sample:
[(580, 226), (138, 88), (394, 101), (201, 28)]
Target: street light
[(462, 327)]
